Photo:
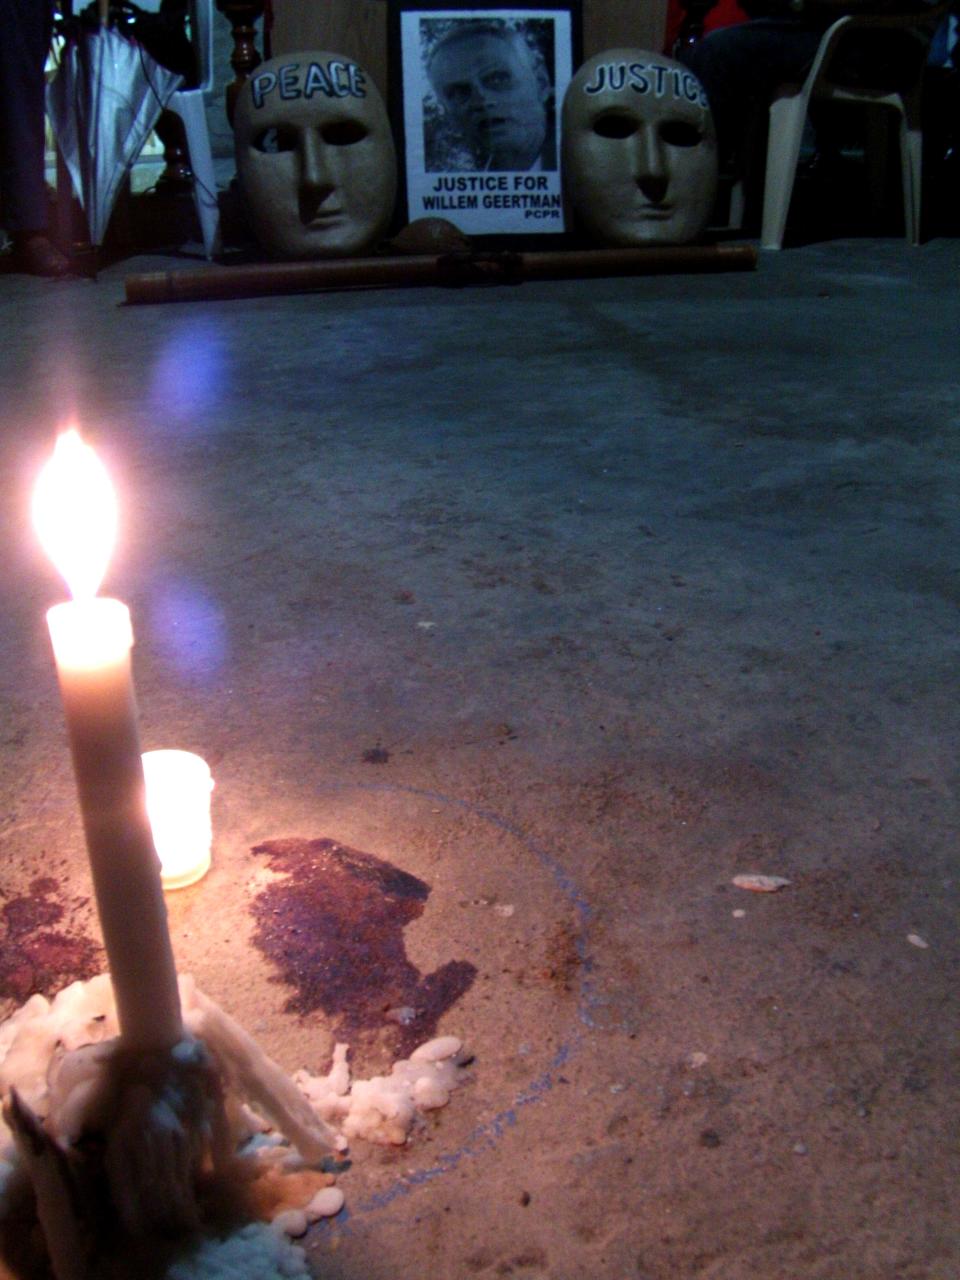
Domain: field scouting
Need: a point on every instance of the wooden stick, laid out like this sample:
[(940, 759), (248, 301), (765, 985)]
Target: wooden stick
[(455, 269)]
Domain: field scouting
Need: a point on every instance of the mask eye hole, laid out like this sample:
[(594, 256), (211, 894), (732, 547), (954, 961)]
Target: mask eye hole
[(615, 124), (343, 133), (680, 133), (274, 139)]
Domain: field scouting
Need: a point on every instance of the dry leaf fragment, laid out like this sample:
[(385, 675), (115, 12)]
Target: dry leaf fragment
[(760, 884)]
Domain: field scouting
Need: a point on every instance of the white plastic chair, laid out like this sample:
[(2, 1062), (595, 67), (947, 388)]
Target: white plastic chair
[(788, 113), (188, 105)]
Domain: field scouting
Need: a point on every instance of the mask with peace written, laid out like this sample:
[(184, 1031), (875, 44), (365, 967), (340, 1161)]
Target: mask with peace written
[(315, 156)]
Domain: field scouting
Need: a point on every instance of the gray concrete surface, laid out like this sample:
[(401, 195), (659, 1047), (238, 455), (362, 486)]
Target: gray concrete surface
[(573, 600)]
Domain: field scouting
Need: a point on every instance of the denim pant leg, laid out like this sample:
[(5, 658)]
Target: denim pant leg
[(25, 27)]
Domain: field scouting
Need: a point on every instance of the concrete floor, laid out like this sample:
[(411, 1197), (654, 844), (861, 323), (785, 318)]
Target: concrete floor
[(573, 600)]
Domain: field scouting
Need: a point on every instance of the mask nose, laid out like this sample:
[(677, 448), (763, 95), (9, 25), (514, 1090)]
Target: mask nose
[(316, 178), (651, 170)]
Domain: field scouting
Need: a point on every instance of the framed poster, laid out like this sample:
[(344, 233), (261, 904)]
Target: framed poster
[(477, 90)]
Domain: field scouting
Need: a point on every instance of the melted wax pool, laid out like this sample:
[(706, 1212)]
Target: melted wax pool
[(333, 927)]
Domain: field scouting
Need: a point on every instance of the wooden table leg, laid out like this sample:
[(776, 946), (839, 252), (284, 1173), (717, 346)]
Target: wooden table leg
[(691, 28), (242, 16)]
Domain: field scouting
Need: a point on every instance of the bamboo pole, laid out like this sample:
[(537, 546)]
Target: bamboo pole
[(453, 270)]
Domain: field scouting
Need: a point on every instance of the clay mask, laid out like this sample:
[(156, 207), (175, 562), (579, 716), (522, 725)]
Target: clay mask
[(315, 156), (639, 150)]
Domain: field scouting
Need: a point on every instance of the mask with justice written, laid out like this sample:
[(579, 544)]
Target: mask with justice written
[(639, 150)]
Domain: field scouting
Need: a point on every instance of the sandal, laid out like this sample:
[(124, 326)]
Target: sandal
[(36, 254)]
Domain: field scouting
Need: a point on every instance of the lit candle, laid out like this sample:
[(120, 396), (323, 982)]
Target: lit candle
[(75, 516), (178, 804)]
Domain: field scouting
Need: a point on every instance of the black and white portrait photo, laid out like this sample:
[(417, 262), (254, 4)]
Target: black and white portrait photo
[(481, 88), (491, 100)]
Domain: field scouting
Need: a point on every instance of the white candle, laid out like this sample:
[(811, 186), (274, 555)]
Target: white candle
[(75, 516), (178, 805)]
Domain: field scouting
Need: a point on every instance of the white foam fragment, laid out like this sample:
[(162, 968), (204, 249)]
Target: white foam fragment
[(384, 1109), (81, 1014), (325, 1204), (255, 1252), (760, 883), (55, 1054), (36, 1006), (429, 1093), (35, 1037), (323, 1092), (292, 1222), (436, 1050)]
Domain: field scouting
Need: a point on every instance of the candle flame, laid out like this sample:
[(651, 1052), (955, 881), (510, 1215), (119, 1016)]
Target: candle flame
[(75, 514)]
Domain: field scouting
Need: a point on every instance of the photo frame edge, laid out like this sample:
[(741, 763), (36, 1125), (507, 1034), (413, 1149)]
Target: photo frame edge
[(396, 96)]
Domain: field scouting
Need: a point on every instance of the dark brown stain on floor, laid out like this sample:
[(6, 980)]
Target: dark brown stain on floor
[(35, 956), (334, 929)]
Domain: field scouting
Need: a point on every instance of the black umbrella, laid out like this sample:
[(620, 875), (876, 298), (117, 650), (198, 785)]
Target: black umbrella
[(103, 102)]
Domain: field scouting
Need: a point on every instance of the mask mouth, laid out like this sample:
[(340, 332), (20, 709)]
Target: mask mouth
[(317, 212), (324, 222)]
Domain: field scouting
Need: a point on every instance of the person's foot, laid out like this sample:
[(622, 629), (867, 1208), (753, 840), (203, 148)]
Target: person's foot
[(36, 254)]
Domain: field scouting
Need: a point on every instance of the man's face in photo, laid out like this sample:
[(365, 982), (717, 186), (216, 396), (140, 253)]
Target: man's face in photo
[(496, 96)]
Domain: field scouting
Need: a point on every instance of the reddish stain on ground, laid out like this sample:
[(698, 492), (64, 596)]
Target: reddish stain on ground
[(34, 956), (334, 929)]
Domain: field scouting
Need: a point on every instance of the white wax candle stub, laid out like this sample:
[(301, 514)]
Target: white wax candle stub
[(178, 806)]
